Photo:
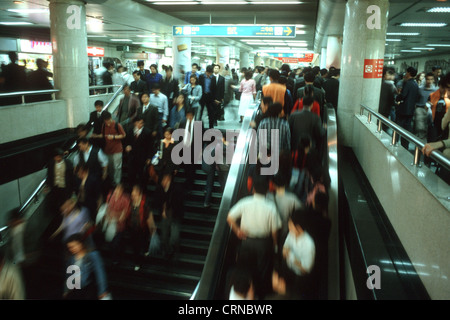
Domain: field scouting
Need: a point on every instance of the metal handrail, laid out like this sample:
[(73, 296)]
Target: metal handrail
[(113, 97), (217, 247), (436, 155), (27, 93), (105, 86)]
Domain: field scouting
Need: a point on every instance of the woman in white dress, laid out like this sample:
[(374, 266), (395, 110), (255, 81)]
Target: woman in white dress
[(248, 90)]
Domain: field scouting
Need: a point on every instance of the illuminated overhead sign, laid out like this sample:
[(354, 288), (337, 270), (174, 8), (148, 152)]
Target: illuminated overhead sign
[(35, 46), (95, 52), (294, 57), (235, 31)]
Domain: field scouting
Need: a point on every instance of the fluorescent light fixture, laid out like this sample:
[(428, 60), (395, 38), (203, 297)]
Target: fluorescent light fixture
[(402, 33), (165, 3), (14, 23), (439, 45), (439, 10), (423, 25), (297, 44), (215, 2), (29, 10), (429, 48), (151, 36), (410, 51), (121, 40), (275, 2), (394, 40), (300, 31), (96, 36)]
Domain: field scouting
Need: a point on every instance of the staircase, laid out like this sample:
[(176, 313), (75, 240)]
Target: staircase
[(158, 278)]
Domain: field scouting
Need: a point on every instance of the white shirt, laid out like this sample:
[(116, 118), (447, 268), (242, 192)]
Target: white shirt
[(259, 217), (102, 158), (188, 135), (60, 174), (138, 131), (302, 249), (144, 108)]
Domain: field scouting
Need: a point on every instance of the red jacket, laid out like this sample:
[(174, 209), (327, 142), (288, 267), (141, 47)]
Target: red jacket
[(298, 106)]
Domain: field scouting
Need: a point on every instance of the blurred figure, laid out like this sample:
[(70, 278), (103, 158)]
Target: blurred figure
[(128, 106), (88, 189), (17, 226), (38, 80), (178, 112), (15, 79), (92, 276), (194, 93), (60, 180), (169, 87), (138, 86), (165, 165), (12, 286), (248, 94), (113, 133), (241, 286)]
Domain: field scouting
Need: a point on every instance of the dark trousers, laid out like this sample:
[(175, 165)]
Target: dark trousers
[(136, 174), (405, 122), (189, 170), (170, 235), (207, 100), (257, 255)]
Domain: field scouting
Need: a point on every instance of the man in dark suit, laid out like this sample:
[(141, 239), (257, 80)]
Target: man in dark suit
[(219, 93), (138, 86), (208, 83), (149, 114), (60, 180), (138, 150), (145, 73), (128, 107), (169, 86), (194, 143), (95, 122)]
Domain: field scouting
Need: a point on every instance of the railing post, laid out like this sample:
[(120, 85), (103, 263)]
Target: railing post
[(23, 99), (361, 111), (379, 126), (369, 118), (394, 138), (417, 157)]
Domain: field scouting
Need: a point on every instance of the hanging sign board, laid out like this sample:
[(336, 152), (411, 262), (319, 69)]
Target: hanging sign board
[(234, 31)]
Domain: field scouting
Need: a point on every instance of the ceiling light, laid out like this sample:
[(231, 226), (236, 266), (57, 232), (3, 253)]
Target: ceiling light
[(14, 23), (402, 33), (439, 45), (423, 48), (298, 44), (410, 51), (393, 39), (439, 10), (424, 25), (96, 36), (152, 36), (29, 10), (275, 2), (165, 3), (215, 2), (123, 40)]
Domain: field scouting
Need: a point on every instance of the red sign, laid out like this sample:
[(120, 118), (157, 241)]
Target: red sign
[(373, 68), (307, 58), (95, 52)]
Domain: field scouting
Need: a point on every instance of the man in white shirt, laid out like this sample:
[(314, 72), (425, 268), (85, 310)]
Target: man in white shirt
[(299, 253), (258, 232), (93, 157), (159, 100)]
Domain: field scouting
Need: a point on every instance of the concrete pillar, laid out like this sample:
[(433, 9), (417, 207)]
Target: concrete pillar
[(323, 58), (244, 59), (258, 60), (362, 61), (70, 60), (181, 47), (267, 62), (223, 56), (334, 52)]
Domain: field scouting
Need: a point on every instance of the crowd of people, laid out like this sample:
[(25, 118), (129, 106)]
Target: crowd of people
[(419, 102), (282, 225)]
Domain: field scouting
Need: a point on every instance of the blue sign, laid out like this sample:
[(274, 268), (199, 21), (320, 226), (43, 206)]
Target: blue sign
[(235, 31)]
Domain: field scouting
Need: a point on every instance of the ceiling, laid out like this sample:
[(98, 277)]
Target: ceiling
[(149, 25)]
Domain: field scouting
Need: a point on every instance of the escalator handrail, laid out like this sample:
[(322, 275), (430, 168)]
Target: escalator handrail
[(436, 155), (216, 251)]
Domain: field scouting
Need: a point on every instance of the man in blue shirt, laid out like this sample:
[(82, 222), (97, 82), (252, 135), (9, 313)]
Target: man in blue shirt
[(189, 73), (408, 99), (207, 83), (160, 101)]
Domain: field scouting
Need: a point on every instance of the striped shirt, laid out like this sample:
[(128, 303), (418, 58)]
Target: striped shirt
[(284, 133)]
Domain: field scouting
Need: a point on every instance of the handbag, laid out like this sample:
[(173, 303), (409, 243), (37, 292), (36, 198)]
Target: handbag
[(158, 155), (155, 244), (111, 229)]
